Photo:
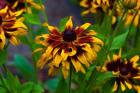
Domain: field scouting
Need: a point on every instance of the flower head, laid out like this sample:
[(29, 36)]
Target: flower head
[(10, 26), (24, 4), (74, 46), (93, 6), (124, 71)]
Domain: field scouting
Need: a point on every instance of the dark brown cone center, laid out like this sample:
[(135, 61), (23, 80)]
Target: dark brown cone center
[(0, 20), (69, 35), (124, 70), (11, 1)]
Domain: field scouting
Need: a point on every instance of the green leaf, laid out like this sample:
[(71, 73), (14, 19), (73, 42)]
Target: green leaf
[(103, 76), (3, 90), (32, 18), (31, 87), (3, 56), (12, 79), (62, 23), (38, 88), (52, 84), (89, 72), (106, 25), (27, 87), (95, 27), (118, 41), (24, 66)]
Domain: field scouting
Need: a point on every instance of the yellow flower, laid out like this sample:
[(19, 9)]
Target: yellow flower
[(21, 4), (10, 26), (74, 46), (93, 6), (124, 71)]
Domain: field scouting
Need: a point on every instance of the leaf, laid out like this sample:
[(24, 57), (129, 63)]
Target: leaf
[(27, 87), (38, 88), (95, 27), (24, 66), (3, 56), (3, 90), (62, 23), (118, 41), (89, 72), (52, 84), (31, 87), (32, 18), (103, 76), (10, 80), (106, 25)]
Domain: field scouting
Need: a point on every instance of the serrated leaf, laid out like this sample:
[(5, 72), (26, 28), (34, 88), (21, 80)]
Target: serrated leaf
[(62, 23), (32, 18), (24, 66), (118, 41)]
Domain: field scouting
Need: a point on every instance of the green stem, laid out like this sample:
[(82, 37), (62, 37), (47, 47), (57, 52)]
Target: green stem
[(70, 79)]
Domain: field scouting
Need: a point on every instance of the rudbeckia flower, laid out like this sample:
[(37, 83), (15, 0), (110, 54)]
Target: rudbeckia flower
[(74, 46), (21, 4), (93, 6), (10, 26), (124, 71)]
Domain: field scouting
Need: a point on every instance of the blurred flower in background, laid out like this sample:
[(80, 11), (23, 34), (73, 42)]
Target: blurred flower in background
[(11, 26), (24, 4)]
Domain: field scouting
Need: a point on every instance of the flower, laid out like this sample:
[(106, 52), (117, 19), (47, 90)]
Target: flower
[(93, 6), (124, 71), (133, 14), (10, 26), (21, 4), (74, 46), (103, 6)]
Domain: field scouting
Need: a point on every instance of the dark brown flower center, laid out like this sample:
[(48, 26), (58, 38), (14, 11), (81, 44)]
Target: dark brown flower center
[(0, 20), (11, 1), (69, 35), (21, 5), (124, 70)]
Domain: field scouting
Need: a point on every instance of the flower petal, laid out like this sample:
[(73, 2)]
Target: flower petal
[(85, 26), (134, 59), (69, 24), (122, 86), (115, 87), (57, 60)]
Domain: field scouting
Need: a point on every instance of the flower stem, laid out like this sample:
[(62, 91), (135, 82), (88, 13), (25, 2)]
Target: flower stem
[(70, 78)]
